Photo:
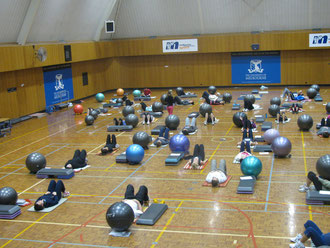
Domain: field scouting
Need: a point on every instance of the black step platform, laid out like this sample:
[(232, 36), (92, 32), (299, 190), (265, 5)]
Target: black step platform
[(58, 173)]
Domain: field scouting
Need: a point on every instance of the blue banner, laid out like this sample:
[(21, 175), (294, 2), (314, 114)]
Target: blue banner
[(58, 84), (256, 68)]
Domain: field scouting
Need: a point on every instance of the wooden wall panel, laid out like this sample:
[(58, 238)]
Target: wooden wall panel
[(8, 101)]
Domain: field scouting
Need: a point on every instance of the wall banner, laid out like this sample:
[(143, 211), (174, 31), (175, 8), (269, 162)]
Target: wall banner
[(58, 84), (177, 46), (256, 67)]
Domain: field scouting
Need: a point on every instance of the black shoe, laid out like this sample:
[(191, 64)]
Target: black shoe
[(116, 121), (121, 122)]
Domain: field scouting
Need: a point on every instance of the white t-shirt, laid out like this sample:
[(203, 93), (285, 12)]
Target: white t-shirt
[(133, 204), (217, 174), (213, 97)]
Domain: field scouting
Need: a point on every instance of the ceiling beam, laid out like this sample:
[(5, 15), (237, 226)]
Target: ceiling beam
[(106, 14), (28, 21)]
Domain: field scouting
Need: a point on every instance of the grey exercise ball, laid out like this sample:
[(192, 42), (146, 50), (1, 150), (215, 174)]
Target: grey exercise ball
[(205, 108), (163, 99), (94, 114), (128, 110), (8, 196), (250, 98), (89, 120), (275, 100), (323, 166), (311, 93), (212, 90), (179, 91), (131, 119), (141, 138), (172, 122), (157, 107), (305, 122), (273, 110), (227, 97), (35, 162), (316, 87), (119, 100), (281, 146), (327, 107), (237, 118)]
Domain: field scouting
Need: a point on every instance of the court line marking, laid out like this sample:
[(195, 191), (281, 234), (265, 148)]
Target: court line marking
[(270, 180)]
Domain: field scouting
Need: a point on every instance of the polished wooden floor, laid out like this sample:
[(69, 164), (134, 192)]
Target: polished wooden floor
[(197, 216)]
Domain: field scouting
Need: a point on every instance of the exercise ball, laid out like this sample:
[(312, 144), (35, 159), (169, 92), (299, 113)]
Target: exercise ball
[(172, 122), (78, 109), (163, 99), (237, 118), (35, 161), (99, 97), (120, 92), (131, 119), (89, 120), (275, 100), (120, 216), (270, 135), (94, 114), (311, 93), (316, 87), (250, 98), (251, 166), (327, 107), (227, 97), (274, 109), (205, 108), (157, 107), (128, 110), (8, 196), (141, 138), (136, 93), (179, 143), (120, 101), (281, 146), (305, 122), (323, 166), (179, 91), (134, 153), (212, 90)]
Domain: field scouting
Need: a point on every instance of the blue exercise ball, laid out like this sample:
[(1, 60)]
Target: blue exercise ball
[(251, 166), (99, 97), (120, 216), (134, 154), (179, 143)]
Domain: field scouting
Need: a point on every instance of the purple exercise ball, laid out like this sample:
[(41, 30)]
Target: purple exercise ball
[(281, 146), (179, 143), (270, 135)]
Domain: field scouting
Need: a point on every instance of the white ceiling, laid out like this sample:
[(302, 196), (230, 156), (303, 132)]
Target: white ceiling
[(78, 20)]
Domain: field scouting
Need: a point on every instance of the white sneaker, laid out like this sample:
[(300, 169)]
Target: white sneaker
[(303, 188), (297, 245), (297, 238), (205, 123)]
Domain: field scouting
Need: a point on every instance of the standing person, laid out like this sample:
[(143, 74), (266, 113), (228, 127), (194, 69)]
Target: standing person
[(170, 102)]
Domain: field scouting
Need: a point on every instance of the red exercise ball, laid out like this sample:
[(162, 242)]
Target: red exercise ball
[(78, 109)]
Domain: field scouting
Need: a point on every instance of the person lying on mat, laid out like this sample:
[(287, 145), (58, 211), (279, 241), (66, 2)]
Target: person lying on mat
[(52, 196), (319, 183), (288, 94), (163, 138), (210, 118), (79, 160), (324, 132), (119, 122), (138, 200), (325, 122), (198, 157), (178, 101), (247, 105), (217, 175), (144, 107), (281, 117), (189, 127), (295, 108), (110, 145), (182, 93), (312, 231), (146, 92), (147, 118), (115, 100)]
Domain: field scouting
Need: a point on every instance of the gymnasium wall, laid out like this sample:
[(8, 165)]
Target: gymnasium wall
[(137, 63)]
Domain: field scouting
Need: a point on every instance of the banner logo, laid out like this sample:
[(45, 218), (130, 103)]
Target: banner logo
[(174, 46), (59, 82), (319, 40), (255, 66)]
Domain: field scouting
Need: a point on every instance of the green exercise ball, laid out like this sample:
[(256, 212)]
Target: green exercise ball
[(99, 97), (251, 166), (136, 93)]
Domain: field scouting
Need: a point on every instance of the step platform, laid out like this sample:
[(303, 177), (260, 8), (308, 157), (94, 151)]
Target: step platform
[(260, 118), (314, 197), (236, 106), (142, 98), (121, 158), (9, 211), (255, 92), (109, 105), (288, 105), (120, 128), (188, 96), (152, 214), (262, 148), (154, 114), (246, 185), (259, 138), (174, 158), (57, 173), (266, 125), (318, 98)]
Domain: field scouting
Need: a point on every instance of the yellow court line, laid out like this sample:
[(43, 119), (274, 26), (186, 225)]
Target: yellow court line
[(305, 163), (107, 169), (167, 224), (218, 146), (19, 234)]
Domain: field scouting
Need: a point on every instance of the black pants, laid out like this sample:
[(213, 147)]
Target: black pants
[(245, 134), (312, 176), (110, 144), (56, 187), (199, 152), (245, 144), (79, 159), (141, 195)]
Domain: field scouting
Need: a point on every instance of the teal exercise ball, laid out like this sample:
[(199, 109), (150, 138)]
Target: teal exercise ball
[(136, 93), (99, 97), (251, 166)]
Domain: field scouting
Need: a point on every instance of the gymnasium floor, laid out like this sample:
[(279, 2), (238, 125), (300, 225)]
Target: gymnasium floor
[(197, 216)]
